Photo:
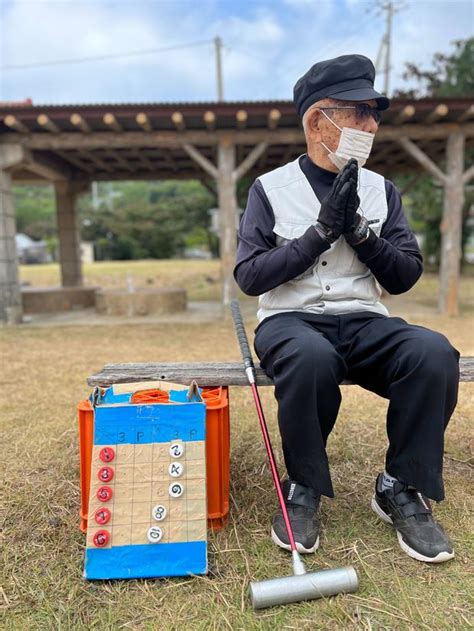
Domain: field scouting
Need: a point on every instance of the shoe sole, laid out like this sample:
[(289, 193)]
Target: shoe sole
[(439, 558), (300, 548)]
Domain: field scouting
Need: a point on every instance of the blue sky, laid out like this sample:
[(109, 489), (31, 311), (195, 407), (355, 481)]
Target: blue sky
[(268, 45)]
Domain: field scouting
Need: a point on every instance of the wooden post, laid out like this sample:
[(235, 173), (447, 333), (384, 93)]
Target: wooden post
[(10, 295), (226, 191), (69, 232), (451, 225)]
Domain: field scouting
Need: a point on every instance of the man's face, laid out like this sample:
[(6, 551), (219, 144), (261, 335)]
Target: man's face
[(329, 133)]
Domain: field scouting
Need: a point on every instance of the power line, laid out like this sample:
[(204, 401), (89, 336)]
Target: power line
[(79, 60)]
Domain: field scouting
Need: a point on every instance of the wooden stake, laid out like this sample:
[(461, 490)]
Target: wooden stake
[(110, 120), (143, 120), (407, 112), (47, 123), (439, 111), (78, 121), (451, 226), (14, 123), (274, 116), (241, 118), (210, 119), (228, 217), (178, 120)]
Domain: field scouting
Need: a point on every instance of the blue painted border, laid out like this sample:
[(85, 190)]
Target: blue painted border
[(155, 423), (146, 561)]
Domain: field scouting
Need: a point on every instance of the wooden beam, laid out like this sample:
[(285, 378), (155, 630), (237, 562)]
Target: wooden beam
[(274, 116), (143, 120), (77, 120), (50, 168), (47, 123), (75, 161), (110, 120), (203, 162), (174, 139), (467, 114), (241, 117), (439, 111), (468, 174), (451, 226), (178, 121), (13, 122), (250, 160), (121, 161), (158, 173), (97, 160), (210, 119), (423, 159), (143, 159), (210, 184), (207, 373), (227, 202)]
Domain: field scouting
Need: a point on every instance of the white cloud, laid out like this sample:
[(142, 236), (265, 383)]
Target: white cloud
[(268, 45)]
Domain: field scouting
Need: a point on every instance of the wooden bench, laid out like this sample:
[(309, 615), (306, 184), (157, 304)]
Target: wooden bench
[(206, 374)]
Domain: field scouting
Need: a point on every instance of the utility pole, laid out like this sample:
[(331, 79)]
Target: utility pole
[(386, 44), (220, 83)]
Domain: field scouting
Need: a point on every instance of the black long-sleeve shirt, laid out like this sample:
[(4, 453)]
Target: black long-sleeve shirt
[(394, 258)]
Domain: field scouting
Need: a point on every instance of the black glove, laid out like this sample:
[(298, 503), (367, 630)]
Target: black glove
[(356, 226), (353, 202), (332, 216)]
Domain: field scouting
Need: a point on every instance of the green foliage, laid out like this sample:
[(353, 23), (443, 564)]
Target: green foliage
[(147, 220), (450, 75), (35, 211)]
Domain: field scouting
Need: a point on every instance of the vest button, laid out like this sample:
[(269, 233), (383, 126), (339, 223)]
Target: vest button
[(324, 263), (328, 287)]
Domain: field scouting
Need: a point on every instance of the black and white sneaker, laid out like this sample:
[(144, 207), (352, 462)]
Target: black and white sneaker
[(302, 504), (419, 535)]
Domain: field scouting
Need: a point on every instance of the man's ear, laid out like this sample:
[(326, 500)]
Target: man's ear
[(314, 124)]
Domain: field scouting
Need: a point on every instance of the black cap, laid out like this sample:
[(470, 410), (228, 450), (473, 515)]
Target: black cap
[(346, 78)]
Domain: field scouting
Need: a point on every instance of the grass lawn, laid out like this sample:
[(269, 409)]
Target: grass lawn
[(43, 377)]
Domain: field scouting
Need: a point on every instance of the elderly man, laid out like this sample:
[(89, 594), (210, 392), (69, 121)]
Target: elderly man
[(319, 238)]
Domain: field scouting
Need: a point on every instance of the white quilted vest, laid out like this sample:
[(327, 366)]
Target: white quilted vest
[(337, 282)]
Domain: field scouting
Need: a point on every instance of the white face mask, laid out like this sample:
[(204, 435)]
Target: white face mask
[(353, 143)]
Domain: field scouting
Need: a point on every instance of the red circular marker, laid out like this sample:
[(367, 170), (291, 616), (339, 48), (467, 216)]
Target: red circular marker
[(107, 454), (105, 474), (104, 493), (101, 538), (102, 516)]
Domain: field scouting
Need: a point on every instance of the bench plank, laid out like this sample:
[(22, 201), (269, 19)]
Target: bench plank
[(206, 374)]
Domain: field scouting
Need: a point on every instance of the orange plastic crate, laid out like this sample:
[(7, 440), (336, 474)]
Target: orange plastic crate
[(217, 455)]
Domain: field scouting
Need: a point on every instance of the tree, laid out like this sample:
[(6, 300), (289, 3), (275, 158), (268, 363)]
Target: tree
[(149, 220), (450, 75)]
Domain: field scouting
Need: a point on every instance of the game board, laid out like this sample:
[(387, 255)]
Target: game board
[(147, 507)]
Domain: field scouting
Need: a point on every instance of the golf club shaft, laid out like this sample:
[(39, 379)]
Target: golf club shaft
[(250, 370)]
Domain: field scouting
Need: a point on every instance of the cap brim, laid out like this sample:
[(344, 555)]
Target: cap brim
[(362, 94)]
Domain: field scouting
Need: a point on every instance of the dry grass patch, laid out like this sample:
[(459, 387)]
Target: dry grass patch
[(43, 378)]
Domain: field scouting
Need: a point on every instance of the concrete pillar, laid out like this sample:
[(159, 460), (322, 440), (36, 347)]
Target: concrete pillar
[(226, 182), (69, 232), (10, 295), (451, 226)]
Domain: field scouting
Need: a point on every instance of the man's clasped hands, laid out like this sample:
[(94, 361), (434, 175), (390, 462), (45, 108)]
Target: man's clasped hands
[(338, 214)]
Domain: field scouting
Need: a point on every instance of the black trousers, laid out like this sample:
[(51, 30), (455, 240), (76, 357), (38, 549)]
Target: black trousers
[(417, 369)]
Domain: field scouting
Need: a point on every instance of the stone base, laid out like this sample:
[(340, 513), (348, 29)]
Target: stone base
[(120, 302), (55, 299)]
